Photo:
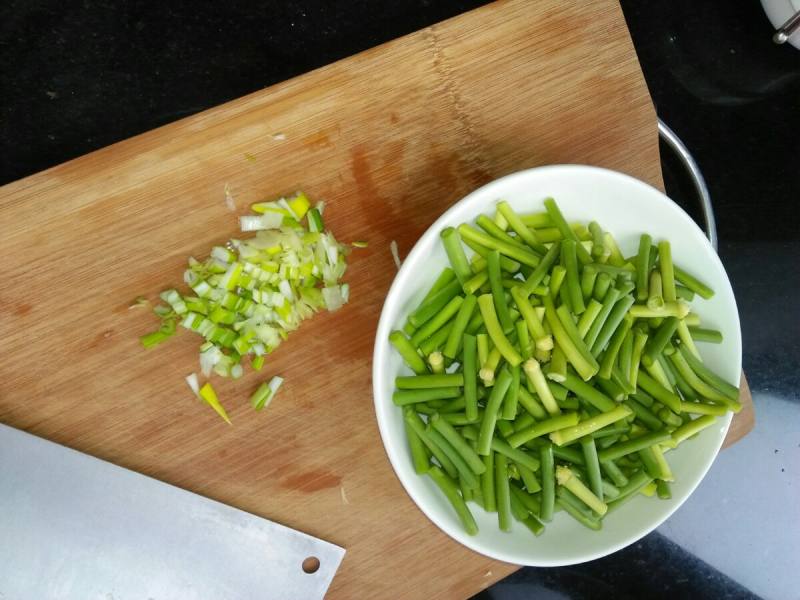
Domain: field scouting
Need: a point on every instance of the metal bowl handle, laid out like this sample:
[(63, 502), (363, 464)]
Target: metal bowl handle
[(675, 143)]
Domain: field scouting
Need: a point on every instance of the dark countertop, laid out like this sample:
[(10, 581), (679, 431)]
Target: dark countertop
[(77, 77)]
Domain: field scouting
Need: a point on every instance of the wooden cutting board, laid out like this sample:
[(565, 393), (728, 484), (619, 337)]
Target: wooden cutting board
[(389, 138)]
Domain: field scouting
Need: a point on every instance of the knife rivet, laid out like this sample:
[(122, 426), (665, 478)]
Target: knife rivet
[(311, 564)]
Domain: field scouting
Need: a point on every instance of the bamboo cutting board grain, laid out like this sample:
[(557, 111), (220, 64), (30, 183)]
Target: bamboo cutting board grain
[(389, 138)]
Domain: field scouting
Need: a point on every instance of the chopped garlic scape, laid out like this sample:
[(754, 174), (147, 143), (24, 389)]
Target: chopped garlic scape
[(266, 392)]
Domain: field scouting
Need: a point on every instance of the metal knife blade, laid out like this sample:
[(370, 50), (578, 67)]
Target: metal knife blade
[(74, 526)]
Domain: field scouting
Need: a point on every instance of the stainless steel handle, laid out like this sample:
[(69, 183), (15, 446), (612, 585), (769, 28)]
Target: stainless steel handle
[(787, 29), (675, 143)]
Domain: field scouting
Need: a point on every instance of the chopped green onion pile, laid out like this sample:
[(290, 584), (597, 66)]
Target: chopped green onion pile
[(552, 373), (250, 293)]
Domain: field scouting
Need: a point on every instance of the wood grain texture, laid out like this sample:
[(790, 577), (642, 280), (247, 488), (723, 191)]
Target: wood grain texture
[(389, 138)]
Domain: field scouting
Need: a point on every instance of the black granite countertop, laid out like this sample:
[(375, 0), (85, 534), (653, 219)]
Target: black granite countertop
[(79, 76)]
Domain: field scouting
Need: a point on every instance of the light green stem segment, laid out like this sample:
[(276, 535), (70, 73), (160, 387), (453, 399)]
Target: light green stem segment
[(666, 271), (542, 428), (408, 352), (455, 253), (486, 304), (533, 371), (543, 340), (460, 325), (490, 413), (567, 479), (548, 483), (585, 368), (694, 426), (515, 222), (590, 425), (642, 267)]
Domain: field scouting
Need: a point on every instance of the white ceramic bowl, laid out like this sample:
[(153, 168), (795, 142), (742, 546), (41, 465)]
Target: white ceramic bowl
[(626, 207)]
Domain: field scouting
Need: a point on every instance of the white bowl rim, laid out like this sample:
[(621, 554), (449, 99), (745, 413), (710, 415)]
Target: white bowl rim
[(385, 327)]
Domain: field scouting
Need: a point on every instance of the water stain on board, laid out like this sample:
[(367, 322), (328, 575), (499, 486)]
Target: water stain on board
[(312, 481), (100, 338), (317, 140), (22, 309)]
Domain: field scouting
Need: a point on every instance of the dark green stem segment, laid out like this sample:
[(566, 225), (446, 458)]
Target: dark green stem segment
[(543, 428), (642, 267), (610, 299), (663, 490), (442, 318), (470, 360), (614, 472), (588, 279), (487, 483), (462, 467), (693, 283), (614, 346), (510, 402), (598, 247), (570, 261), (586, 392), (659, 392), (592, 465), (421, 382), (450, 490), (644, 414), (516, 223), (548, 482), (707, 375), (512, 251), (420, 457), (535, 278), (460, 323), (416, 424), (700, 334), (632, 445), (415, 396), (601, 286), (502, 492), (433, 305), (408, 352), (566, 231), (576, 513), (612, 322), (461, 446), (660, 339), (667, 271), (498, 293)]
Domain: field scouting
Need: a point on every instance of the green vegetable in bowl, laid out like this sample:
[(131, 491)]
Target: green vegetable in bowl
[(550, 373)]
